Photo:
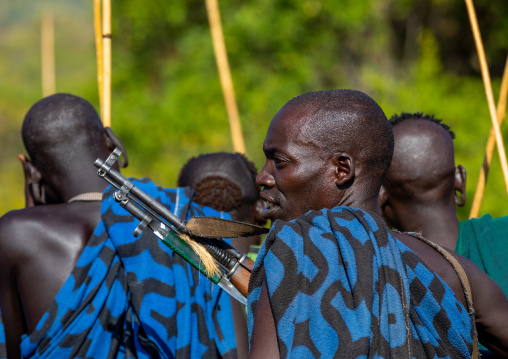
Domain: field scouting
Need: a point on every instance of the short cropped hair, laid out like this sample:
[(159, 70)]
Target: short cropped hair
[(60, 130), (404, 116)]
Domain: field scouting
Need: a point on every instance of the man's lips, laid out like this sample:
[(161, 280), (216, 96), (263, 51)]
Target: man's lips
[(270, 207)]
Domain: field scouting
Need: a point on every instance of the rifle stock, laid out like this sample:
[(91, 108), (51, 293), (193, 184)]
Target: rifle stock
[(240, 278)]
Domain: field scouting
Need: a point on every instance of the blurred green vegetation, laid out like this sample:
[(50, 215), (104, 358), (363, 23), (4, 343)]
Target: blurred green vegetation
[(167, 105)]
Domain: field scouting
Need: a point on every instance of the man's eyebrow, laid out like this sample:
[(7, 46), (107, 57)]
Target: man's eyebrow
[(268, 149)]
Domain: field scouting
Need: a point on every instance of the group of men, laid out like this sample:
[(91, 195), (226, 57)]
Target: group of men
[(331, 279)]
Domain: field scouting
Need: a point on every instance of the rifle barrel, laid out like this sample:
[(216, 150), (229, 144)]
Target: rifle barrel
[(158, 208)]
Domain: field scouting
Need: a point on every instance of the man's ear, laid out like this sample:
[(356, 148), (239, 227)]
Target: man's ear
[(29, 200), (259, 219), (460, 186), (112, 141), (344, 169), (35, 190)]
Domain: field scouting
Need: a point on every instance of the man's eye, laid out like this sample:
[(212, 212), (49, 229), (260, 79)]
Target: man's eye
[(279, 161)]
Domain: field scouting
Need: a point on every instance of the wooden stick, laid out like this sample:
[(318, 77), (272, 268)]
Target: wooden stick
[(98, 49), (491, 144), (47, 54), (106, 74), (226, 81), (488, 89)]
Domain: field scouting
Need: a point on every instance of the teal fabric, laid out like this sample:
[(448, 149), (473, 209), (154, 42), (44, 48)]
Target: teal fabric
[(484, 241)]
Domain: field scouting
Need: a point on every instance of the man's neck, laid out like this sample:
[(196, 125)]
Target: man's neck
[(370, 204), (437, 224), (73, 187)]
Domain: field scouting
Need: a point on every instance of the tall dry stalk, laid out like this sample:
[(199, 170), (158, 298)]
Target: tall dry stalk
[(106, 65), (98, 49), (219, 47), (491, 145), (48, 54), (488, 89)]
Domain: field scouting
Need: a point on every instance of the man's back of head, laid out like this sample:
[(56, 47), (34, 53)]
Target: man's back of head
[(422, 174), (63, 136), (59, 129), (223, 181)]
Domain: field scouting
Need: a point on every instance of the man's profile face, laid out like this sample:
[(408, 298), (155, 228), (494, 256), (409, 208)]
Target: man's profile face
[(298, 174)]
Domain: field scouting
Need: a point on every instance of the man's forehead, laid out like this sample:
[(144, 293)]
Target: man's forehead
[(290, 128)]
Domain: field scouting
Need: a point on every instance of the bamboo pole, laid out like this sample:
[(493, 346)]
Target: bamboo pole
[(491, 145), (106, 74), (488, 89), (226, 81), (47, 54), (98, 49)]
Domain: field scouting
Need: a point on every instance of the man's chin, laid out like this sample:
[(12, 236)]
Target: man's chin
[(271, 214)]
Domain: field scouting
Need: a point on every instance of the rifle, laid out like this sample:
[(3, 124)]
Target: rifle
[(235, 266)]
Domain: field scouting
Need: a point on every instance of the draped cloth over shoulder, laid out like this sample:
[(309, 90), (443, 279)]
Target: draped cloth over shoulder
[(134, 298), (341, 286)]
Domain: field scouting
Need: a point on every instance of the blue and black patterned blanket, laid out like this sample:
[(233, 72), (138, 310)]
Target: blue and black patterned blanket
[(3, 347), (134, 298), (341, 286)]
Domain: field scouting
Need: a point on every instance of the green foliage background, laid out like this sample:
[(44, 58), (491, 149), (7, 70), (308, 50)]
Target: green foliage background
[(409, 55)]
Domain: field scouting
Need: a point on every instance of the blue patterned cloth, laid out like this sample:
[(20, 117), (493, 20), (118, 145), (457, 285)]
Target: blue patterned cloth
[(134, 298), (3, 347), (341, 286)]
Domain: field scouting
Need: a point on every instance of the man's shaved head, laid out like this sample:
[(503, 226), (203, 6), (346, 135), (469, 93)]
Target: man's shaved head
[(61, 130), (324, 149), (422, 175), (423, 163), (349, 121)]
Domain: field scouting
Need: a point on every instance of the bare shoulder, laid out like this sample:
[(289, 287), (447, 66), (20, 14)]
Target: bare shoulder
[(29, 230), (490, 306), (39, 247)]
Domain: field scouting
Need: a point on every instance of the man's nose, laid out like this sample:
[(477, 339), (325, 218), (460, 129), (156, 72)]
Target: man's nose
[(264, 178)]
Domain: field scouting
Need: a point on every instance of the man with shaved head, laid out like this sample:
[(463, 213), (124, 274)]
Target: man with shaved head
[(334, 281), (423, 187)]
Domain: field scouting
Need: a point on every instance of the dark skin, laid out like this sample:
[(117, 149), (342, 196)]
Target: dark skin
[(423, 187), (40, 244), (225, 165), (301, 174)]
